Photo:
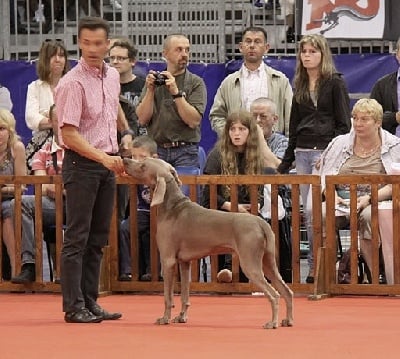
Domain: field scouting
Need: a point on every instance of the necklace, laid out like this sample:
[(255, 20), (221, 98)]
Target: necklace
[(365, 152)]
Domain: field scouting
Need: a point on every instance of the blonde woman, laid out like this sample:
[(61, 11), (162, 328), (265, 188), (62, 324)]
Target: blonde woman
[(12, 162)]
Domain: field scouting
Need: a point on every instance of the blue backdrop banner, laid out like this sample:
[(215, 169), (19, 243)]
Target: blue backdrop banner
[(360, 73)]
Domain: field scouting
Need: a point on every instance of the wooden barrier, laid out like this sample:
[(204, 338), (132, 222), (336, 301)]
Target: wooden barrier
[(195, 182), (328, 274), (325, 250), (109, 273)]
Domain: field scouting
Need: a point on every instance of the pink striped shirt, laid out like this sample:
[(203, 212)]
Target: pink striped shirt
[(88, 99)]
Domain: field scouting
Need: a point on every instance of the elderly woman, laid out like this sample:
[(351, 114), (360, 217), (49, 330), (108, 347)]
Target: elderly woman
[(367, 149)]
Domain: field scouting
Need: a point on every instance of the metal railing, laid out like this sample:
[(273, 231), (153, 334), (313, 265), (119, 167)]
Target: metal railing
[(213, 27)]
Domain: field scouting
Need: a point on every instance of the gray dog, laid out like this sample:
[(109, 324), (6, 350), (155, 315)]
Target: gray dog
[(187, 231)]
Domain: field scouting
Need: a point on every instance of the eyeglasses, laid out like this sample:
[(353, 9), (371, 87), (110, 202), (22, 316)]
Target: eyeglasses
[(363, 119), (117, 58), (256, 42)]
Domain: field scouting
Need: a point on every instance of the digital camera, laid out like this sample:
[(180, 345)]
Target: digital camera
[(160, 79)]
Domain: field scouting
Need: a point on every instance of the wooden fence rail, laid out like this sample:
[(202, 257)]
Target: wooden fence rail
[(325, 248)]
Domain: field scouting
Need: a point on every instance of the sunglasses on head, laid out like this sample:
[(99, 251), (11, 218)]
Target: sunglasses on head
[(60, 41)]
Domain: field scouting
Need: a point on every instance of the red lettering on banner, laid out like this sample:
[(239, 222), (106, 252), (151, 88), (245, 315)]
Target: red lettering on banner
[(322, 11)]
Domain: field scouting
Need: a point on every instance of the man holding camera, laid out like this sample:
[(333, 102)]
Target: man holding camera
[(172, 105)]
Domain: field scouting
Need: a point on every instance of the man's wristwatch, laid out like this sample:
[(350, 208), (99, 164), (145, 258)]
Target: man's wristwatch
[(127, 132), (179, 95)]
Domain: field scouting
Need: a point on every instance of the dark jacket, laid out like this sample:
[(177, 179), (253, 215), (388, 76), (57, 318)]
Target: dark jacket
[(313, 127), (385, 92)]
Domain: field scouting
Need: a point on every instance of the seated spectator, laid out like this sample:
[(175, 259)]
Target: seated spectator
[(263, 110), (51, 66), (5, 98), (46, 162), (142, 147), (238, 151), (12, 162), (367, 149)]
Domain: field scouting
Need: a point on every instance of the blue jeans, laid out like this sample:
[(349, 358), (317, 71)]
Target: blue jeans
[(305, 164), (90, 190), (28, 223), (185, 156)]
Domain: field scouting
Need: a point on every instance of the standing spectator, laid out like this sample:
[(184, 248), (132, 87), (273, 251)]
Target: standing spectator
[(142, 147), (263, 110), (12, 162), (122, 57), (238, 151), (320, 112), (88, 114), (387, 92), (254, 79), (51, 66), (46, 162), (172, 105), (5, 98)]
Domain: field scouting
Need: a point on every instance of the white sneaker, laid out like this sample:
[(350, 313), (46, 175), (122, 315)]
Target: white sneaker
[(224, 276), (115, 5)]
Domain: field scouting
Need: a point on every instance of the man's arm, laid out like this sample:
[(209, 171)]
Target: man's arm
[(144, 109), (126, 132), (74, 141), (187, 112)]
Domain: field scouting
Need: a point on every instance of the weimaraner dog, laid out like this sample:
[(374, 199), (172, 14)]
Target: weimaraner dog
[(187, 231)]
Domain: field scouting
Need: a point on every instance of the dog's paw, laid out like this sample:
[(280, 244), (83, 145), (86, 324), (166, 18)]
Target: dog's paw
[(270, 325), (287, 323), (181, 318), (162, 321)]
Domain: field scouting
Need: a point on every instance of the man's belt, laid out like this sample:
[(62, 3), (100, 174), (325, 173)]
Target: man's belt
[(177, 144)]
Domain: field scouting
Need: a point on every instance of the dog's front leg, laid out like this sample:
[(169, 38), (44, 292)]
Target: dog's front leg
[(168, 268), (185, 278)]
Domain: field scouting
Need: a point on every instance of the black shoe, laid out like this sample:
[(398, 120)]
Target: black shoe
[(310, 279), (100, 312), (27, 274), (146, 277), (82, 316), (125, 277)]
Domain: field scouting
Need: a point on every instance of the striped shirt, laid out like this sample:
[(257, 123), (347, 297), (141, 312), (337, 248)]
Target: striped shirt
[(88, 99)]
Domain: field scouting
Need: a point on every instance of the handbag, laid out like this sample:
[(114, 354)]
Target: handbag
[(35, 144)]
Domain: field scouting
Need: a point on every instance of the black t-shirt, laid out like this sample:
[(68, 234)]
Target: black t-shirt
[(131, 91)]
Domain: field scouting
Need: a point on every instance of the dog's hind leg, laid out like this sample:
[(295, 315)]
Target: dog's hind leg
[(185, 274), (272, 295), (272, 273), (168, 268)]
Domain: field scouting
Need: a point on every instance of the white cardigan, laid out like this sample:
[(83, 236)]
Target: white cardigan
[(39, 98)]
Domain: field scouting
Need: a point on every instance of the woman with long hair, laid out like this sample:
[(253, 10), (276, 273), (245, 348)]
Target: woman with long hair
[(12, 162), (320, 111), (51, 66), (239, 151)]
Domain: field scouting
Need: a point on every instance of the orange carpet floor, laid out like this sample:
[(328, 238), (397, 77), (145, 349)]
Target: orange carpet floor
[(32, 326)]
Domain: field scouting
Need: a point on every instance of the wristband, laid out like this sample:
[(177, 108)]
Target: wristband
[(127, 132)]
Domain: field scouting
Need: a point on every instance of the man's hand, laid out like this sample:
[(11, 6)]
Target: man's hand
[(113, 163)]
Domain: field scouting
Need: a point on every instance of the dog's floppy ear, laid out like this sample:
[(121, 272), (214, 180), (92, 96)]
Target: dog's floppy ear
[(175, 174), (159, 191)]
